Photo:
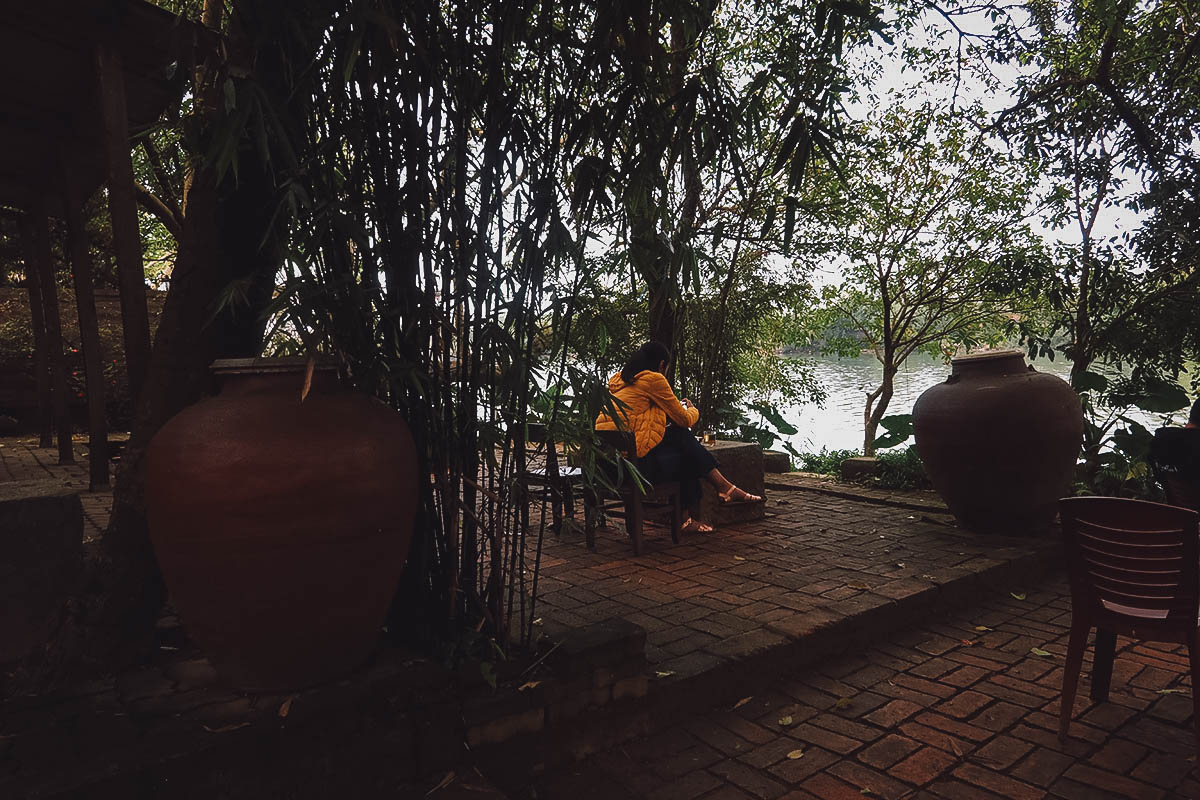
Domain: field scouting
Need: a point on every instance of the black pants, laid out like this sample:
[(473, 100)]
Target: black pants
[(679, 457)]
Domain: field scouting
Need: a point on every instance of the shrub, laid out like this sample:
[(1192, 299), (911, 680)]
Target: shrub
[(900, 469), (826, 462)]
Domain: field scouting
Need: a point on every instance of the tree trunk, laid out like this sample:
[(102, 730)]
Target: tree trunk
[(225, 250), (876, 407), (40, 258), (122, 210), (41, 358), (89, 336)]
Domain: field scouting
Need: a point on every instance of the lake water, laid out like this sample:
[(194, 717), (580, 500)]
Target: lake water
[(838, 425)]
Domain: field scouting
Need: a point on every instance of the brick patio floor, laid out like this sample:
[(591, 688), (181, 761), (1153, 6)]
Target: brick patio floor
[(816, 561), (960, 709), (22, 460)]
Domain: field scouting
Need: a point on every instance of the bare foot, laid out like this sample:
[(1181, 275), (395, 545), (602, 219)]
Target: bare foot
[(736, 495), (696, 526)]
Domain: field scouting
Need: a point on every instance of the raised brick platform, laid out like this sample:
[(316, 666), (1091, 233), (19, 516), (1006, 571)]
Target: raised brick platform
[(962, 709), (817, 568)]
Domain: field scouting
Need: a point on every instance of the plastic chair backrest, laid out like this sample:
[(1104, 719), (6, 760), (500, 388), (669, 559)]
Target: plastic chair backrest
[(1133, 558)]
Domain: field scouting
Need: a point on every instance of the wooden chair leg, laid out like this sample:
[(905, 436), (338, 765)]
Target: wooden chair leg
[(676, 518), (634, 519), (1194, 659), (1075, 649), (569, 499), (556, 510), (1102, 664)]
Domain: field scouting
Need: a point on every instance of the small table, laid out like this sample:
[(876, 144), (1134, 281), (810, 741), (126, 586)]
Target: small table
[(742, 465)]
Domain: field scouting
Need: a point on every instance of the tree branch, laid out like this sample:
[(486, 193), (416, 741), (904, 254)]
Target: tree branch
[(159, 209)]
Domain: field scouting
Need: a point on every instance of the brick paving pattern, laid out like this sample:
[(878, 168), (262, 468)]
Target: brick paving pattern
[(962, 709), (922, 499), (22, 460), (814, 561)]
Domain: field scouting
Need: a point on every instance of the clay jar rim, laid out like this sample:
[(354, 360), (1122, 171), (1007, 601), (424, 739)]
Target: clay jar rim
[(992, 362)]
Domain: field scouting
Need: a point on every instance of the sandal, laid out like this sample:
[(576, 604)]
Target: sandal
[(736, 496), (696, 526)]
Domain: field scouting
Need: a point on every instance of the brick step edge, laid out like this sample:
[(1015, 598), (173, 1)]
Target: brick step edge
[(725, 678), (933, 508)]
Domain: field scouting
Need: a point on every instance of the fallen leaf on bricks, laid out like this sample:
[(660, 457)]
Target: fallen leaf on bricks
[(1167, 691), (663, 673), (286, 708), (226, 728), (738, 558), (529, 685), (785, 721), (1037, 651), (858, 586), (1017, 595), (796, 754), (843, 702), (968, 642), (982, 628), (444, 783), (742, 702)]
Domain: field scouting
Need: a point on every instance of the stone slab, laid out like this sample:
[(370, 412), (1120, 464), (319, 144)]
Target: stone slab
[(41, 562), (776, 461), (742, 464), (859, 467)]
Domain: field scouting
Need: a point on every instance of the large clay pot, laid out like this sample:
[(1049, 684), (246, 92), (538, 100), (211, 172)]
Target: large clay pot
[(282, 525), (1000, 441)]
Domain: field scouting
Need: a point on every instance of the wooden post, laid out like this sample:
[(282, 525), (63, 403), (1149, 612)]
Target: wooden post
[(41, 363), (43, 263), (89, 333), (122, 209)]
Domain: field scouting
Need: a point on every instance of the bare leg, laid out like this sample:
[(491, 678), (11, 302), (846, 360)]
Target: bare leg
[(727, 490)]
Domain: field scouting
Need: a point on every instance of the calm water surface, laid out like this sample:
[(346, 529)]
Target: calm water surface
[(838, 425)]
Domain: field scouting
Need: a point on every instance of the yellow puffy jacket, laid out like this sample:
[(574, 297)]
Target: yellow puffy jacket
[(650, 401)]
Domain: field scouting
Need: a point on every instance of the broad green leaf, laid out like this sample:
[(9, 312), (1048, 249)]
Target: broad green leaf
[(1090, 381)]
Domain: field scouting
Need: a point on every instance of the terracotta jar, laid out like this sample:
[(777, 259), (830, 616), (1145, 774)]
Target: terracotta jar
[(1000, 440), (282, 525)]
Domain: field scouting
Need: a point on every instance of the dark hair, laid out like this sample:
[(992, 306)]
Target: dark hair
[(646, 357), (1194, 417)]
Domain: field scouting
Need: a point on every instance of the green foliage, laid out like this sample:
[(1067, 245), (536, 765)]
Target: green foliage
[(1117, 461), (826, 462), (1109, 102), (900, 469), (899, 429)]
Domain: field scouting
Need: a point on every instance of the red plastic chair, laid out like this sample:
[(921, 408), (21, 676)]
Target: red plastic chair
[(1134, 571)]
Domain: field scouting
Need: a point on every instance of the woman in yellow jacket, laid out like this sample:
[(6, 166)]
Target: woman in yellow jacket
[(666, 448)]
